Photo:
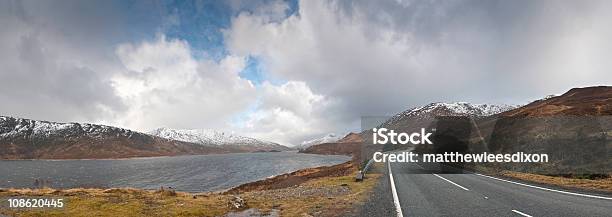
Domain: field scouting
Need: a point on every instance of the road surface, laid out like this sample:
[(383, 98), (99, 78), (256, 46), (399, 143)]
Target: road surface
[(420, 190)]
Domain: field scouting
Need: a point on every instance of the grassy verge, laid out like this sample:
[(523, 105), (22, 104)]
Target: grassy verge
[(604, 184), (324, 196)]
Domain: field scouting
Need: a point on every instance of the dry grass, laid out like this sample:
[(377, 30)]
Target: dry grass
[(598, 184), (120, 202), (135, 202), (316, 204)]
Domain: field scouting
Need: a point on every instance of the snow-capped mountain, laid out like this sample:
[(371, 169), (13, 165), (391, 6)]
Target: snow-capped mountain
[(325, 139), (450, 109), (216, 138), (22, 138), (412, 120), (460, 108), (34, 129)]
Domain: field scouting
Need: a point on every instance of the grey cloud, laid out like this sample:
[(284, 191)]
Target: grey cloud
[(381, 57), (48, 71), (57, 60), (37, 82)]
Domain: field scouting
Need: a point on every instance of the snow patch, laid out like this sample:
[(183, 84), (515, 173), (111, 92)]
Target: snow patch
[(325, 139)]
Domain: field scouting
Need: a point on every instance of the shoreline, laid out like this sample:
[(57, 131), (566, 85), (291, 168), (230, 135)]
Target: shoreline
[(329, 189), (295, 178), (318, 191)]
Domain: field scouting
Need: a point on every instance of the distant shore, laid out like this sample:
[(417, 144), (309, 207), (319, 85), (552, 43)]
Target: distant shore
[(144, 157), (140, 157)]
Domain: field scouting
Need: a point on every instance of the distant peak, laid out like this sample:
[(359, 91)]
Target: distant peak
[(209, 137), (330, 137)]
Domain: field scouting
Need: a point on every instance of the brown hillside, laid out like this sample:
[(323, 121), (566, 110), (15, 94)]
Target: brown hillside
[(589, 101)]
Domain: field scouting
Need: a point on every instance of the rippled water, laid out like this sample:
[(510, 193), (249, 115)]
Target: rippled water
[(184, 173)]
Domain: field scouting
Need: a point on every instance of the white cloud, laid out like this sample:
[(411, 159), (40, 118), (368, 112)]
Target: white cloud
[(165, 86), (288, 114)]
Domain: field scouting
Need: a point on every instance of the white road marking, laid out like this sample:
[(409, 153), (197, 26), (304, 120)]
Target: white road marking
[(398, 208), (520, 213), (464, 188), (547, 189)]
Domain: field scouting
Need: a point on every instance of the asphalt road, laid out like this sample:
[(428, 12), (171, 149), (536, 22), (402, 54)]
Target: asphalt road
[(423, 191)]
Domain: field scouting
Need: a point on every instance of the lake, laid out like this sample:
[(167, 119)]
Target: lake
[(197, 173)]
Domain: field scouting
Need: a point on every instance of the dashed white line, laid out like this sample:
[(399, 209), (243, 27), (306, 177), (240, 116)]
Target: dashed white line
[(464, 188), (520, 213), (398, 208), (547, 189)]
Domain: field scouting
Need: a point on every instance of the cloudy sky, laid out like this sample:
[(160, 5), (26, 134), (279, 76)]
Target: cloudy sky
[(289, 71)]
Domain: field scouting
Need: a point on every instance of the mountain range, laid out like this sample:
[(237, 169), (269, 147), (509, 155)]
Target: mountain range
[(33, 139), (574, 128), (416, 118), (410, 120), (226, 140), (582, 113)]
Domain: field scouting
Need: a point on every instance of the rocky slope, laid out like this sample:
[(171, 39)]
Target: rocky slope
[(32, 139), (218, 139), (575, 129)]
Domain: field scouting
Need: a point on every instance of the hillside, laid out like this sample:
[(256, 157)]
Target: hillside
[(587, 101), (347, 145), (352, 144), (575, 129)]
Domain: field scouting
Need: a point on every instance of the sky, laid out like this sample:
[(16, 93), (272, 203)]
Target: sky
[(289, 71)]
